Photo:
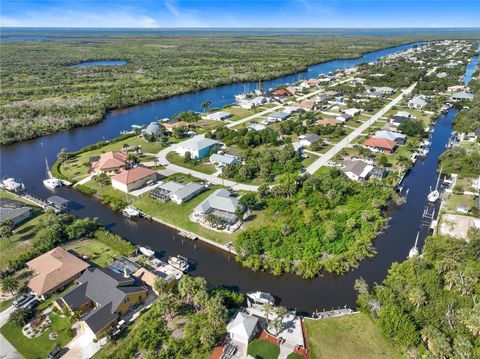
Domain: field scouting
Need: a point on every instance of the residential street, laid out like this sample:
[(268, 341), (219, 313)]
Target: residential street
[(7, 351)]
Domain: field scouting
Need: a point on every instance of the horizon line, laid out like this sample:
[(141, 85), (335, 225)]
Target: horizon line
[(238, 27)]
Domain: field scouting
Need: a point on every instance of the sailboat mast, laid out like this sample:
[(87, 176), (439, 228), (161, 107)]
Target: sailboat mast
[(416, 239)]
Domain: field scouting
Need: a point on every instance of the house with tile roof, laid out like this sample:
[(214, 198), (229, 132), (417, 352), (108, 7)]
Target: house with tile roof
[(132, 179), (110, 162), (380, 145), (104, 296), (54, 270)]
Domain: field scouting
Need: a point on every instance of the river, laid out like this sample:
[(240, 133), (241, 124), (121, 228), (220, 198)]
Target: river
[(26, 161)]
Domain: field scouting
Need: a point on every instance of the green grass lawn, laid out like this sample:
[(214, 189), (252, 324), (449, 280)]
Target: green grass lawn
[(41, 346), (354, 336), (196, 165), (455, 200), (77, 168), (22, 233), (294, 356), (261, 349), (4, 304), (97, 252), (311, 158)]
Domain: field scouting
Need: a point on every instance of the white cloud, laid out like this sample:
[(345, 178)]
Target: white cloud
[(56, 18)]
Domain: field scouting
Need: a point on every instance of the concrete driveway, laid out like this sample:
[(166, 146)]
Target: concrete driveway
[(82, 345)]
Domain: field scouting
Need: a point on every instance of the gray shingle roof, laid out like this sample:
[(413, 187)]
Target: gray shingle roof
[(221, 200), (189, 189)]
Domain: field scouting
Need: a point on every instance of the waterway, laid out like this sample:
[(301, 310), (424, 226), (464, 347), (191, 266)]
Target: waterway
[(26, 161)]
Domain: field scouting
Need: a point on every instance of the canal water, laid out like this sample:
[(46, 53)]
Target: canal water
[(26, 161)]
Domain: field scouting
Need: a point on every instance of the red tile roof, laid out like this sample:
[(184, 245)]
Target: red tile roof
[(111, 160), (281, 92), (133, 175), (380, 143)]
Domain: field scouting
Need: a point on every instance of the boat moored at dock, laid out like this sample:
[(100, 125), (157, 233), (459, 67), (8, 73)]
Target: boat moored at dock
[(261, 297), (179, 262), (10, 184)]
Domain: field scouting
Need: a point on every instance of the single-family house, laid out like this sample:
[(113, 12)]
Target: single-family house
[(110, 162), (281, 92), (132, 179), (462, 95), (357, 170), (399, 138), (198, 147), (385, 90), (104, 295), (170, 127), (292, 89), (221, 161), (164, 191), (344, 117), (418, 102), (153, 129), (308, 139), (380, 145), (352, 111), (54, 270), (256, 127), (219, 116), (456, 88), (277, 116), (186, 193), (308, 105), (15, 210), (243, 328), (220, 204), (398, 120)]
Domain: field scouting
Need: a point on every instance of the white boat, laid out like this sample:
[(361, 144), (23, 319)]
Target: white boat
[(414, 250), (11, 185), (52, 183), (179, 262), (147, 251), (434, 195), (445, 108), (261, 297), (131, 212)]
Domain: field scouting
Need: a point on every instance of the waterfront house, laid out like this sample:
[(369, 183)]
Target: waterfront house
[(390, 135), (243, 328), (198, 147), (54, 270), (253, 102), (418, 102), (164, 191), (380, 145), (15, 210), (220, 204), (219, 116), (281, 92), (357, 170), (308, 139), (132, 179), (459, 96), (221, 160), (277, 116), (257, 127), (104, 295), (153, 129), (186, 193), (109, 162)]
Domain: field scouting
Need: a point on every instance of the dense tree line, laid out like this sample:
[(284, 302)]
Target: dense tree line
[(315, 224), (429, 304), (42, 93), (459, 160)]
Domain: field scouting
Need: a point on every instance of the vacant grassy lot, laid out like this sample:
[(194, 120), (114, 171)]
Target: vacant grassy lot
[(196, 165), (353, 336), (97, 252), (261, 349), (41, 346)]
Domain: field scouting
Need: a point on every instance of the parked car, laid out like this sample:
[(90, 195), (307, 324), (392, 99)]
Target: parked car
[(54, 354), (22, 299), (31, 305)]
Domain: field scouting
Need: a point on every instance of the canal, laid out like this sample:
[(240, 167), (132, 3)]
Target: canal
[(26, 162)]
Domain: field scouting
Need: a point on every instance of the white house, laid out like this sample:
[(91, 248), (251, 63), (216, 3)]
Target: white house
[(352, 111), (458, 96), (219, 116), (343, 117), (308, 139), (418, 102), (357, 170), (257, 127), (243, 328), (198, 147), (221, 161), (277, 116)]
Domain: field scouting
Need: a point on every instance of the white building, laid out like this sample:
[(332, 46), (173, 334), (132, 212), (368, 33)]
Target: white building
[(219, 116), (197, 147), (243, 328)]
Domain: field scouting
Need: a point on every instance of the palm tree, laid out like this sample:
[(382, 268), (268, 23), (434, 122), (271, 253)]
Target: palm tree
[(206, 105), (9, 284), (403, 162), (417, 297), (267, 311)]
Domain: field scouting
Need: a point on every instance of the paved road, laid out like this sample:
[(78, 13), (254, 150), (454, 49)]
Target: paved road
[(7, 351), (322, 161)]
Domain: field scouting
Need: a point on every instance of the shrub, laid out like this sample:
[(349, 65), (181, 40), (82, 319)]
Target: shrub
[(115, 242), (85, 189)]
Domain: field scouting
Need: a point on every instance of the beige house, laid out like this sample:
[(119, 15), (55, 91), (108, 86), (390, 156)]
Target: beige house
[(132, 179), (110, 162), (54, 270)]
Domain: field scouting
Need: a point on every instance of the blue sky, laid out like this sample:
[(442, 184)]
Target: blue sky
[(240, 13)]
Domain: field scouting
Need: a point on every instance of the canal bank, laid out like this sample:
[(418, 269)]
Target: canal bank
[(25, 161)]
